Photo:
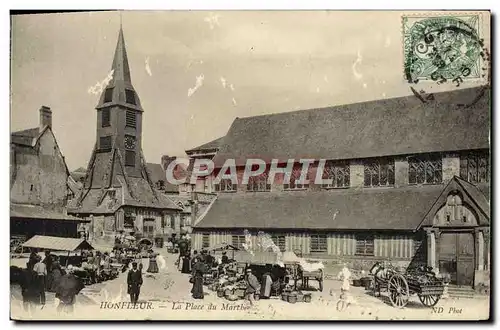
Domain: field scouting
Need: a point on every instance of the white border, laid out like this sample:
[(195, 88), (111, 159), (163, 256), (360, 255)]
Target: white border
[(193, 5)]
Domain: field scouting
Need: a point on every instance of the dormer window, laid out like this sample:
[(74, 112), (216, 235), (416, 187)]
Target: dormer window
[(112, 193), (130, 97), (108, 95), (131, 119)]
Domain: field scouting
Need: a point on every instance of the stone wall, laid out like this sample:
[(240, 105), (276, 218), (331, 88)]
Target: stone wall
[(40, 174)]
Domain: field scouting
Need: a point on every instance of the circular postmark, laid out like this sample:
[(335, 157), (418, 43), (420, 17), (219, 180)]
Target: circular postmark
[(442, 49)]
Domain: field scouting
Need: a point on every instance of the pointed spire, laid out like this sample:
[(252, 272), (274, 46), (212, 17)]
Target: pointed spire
[(119, 89), (121, 70)]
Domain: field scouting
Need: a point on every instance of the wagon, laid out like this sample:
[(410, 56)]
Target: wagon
[(400, 285)]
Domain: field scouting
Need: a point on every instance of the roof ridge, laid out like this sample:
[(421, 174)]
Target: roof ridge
[(330, 107)]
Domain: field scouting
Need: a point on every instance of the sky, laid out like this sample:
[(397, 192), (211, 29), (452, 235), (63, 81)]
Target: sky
[(196, 71)]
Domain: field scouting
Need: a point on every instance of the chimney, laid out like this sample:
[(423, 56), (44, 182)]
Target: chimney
[(45, 117), (166, 160)]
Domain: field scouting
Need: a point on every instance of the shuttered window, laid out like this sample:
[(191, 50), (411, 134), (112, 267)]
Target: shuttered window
[(131, 119), (105, 118), (238, 241), (365, 245), (108, 95), (205, 241), (105, 143), (318, 243), (279, 241), (130, 97), (129, 158)]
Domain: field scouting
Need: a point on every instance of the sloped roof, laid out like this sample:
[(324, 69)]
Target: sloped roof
[(456, 120), (214, 144), (77, 176), (473, 196), (25, 137), (157, 172), (29, 211), (376, 208), (477, 195), (57, 243)]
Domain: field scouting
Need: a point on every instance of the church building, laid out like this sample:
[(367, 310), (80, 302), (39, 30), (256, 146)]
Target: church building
[(118, 193), (409, 183)]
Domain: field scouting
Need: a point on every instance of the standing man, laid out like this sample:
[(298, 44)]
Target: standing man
[(253, 286), (134, 282), (40, 270)]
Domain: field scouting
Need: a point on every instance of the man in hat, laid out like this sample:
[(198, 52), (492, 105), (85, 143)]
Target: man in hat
[(253, 286), (134, 282)]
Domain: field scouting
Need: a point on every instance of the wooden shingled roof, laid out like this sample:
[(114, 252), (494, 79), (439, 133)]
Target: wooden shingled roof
[(456, 120), (339, 209)]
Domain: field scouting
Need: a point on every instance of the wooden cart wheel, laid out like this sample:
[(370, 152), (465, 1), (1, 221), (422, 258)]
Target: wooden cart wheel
[(398, 291), (429, 300)]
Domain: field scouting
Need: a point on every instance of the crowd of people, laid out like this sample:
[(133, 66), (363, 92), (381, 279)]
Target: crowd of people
[(199, 264), (48, 275)]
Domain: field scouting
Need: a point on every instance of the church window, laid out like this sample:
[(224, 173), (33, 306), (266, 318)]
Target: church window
[(474, 167), (130, 96), (258, 183), (379, 172), (338, 172), (425, 169), (105, 143), (105, 118), (129, 158), (131, 119), (294, 177), (226, 185), (108, 95)]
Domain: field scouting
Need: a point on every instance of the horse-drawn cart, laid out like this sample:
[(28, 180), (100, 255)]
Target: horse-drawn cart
[(400, 285)]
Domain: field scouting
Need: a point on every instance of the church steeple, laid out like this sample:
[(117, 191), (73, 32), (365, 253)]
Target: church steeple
[(119, 90)]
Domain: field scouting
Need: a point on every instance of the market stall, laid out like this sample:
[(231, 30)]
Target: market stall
[(224, 247)]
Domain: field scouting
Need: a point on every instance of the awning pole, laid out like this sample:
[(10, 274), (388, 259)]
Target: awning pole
[(67, 259)]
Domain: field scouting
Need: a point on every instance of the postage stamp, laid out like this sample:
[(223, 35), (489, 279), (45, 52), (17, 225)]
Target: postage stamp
[(443, 48)]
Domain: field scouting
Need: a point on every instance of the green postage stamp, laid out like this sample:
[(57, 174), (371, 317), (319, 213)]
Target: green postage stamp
[(443, 48)]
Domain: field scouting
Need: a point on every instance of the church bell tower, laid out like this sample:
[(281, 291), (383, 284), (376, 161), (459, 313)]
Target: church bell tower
[(119, 114)]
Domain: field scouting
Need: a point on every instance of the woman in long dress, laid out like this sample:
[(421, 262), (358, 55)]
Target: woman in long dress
[(186, 264), (153, 265), (198, 270)]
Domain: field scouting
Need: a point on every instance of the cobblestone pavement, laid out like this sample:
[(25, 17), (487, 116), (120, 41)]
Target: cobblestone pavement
[(166, 295)]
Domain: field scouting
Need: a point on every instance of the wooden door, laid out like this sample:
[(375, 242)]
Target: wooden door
[(149, 228), (456, 257), (465, 259)]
